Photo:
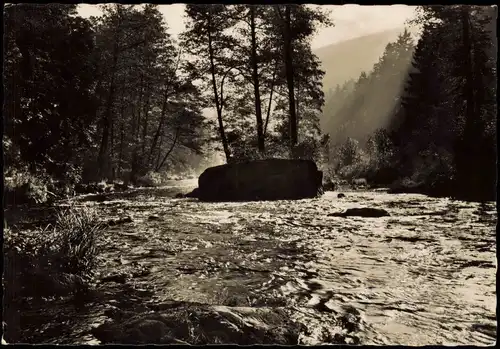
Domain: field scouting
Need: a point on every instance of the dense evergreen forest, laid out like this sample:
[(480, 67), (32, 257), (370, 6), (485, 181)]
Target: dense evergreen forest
[(115, 97), (424, 118)]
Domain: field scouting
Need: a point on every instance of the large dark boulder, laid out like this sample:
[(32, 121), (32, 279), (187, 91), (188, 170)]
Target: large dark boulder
[(270, 179), (193, 194)]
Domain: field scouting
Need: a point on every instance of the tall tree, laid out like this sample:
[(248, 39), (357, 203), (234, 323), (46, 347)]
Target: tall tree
[(287, 39), (115, 38), (296, 24), (448, 110), (308, 104), (255, 77), (207, 42), (246, 63), (148, 88), (49, 85), (255, 62)]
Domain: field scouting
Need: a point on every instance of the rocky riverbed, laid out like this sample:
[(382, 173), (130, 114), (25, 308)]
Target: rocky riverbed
[(283, 272)]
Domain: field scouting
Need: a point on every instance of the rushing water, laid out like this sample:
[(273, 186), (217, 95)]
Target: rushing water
[(423, 275)]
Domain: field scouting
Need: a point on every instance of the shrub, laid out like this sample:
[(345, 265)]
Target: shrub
[(76, 234), (23, 187), (59, 188), (406, 182), (54, 257), (307, 149), (382, 169), (355, 170), (349, 152), (150, 179)]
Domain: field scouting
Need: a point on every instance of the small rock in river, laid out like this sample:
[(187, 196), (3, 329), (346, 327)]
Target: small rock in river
[(100, 197), (153, 217), (118, 278), (362, 212), (350, 322), (113, 222), (341, 195)]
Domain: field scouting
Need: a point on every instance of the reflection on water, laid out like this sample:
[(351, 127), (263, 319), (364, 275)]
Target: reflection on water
[(423, 275)]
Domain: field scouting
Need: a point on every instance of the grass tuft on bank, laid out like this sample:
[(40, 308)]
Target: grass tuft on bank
[(55, 260)]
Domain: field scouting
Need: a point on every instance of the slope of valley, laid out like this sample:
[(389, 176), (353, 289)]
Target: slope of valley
[(344, 62), (347, 59)]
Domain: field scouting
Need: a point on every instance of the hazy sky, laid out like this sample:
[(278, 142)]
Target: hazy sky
[(350, 20)]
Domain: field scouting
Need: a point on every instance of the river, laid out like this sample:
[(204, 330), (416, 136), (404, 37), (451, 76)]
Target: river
[(423, 275)]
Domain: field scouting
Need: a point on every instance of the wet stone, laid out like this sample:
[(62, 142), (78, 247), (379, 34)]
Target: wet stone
[(367, 212), (118, 278), (235, 325), (124, 220)]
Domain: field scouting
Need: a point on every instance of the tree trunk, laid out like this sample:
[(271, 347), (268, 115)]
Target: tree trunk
[(467, 171), (160, 143), (136, 166), (169, 150), (163, 111), (218, 103), (469, 69), (297, 105), (145, 123), (120, 157), (139, 109), (111, 142), (133, 166), (160, 125), (255, 77), (289, 77), (106, 121), (270, 98)]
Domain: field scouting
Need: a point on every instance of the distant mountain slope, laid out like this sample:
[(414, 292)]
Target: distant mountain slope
[(347, 59)]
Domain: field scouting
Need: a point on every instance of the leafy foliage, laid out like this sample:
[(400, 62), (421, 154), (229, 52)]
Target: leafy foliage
[(116, 97), (49, 81), (150, 108), (57, 258), (436, 128), (97, 98), (238, 55), (444, 130)]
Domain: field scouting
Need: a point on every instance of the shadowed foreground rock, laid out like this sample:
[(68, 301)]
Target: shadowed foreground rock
[(271, 179), (362, 212), (200, 325)]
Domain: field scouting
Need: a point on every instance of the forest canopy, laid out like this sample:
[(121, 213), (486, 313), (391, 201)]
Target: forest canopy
[(117, 97), (425, 115)]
